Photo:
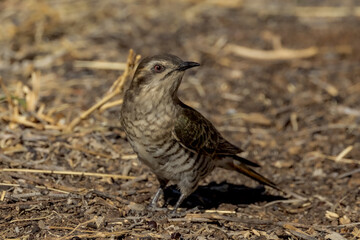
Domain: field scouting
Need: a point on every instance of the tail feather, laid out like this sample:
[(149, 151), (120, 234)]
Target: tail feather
[(240, 166), (245, 161), (240, 159)]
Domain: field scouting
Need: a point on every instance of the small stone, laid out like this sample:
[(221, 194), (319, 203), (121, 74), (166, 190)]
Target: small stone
[(175, 235), (152, 224)]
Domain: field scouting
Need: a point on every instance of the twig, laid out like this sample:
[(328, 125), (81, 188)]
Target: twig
[(39, 187), (277, 54), (295, 195), (36, 194), (43, 184), (31, 219), (84, 150), (134, 180), (98, 234), (329, 88), (301, 235), (326, 11), (219, 211), (327, 127), (3, 193), (7, 94), (111, 104), (297, 232), (312, 11), (23, 121), (335, 159), (347, 174), (110, 144), (20, 203), (79, 225), (69, 228), (343, 153), (346, 225), (348, 111), (211, 217), (289, 225), (115, 89), (100, 65), (66, 173), (128, 156), (284, 201), (109, 196)]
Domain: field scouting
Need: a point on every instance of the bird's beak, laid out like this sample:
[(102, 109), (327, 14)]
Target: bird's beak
[(187, 65)]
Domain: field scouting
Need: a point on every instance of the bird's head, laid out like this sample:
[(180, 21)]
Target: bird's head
[(160, 74)]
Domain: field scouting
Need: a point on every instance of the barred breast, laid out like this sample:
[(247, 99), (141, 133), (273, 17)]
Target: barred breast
[(178, 164)]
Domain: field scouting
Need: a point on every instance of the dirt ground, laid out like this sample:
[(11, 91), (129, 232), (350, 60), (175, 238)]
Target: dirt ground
[(280, 80)]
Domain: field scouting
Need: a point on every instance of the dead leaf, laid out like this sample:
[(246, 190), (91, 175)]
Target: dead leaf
[(331, 215), (345, 220), (334, 236), (14, 149), (356, 232), (283, 164)]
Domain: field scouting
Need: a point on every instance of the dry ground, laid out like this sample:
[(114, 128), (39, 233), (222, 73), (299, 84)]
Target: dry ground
[(281, 80)]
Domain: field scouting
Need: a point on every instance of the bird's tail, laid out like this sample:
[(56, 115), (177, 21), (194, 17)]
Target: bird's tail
[(240, 167)]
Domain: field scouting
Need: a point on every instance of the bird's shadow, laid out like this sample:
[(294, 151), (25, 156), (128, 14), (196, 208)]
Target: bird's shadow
[(214, 194)]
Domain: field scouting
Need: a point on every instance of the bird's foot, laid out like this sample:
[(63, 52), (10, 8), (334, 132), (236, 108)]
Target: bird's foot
[(176, 214), (195, 209), (177, 205), (153, 208)]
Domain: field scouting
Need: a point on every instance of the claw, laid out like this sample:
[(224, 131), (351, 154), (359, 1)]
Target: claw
[(156, 198)]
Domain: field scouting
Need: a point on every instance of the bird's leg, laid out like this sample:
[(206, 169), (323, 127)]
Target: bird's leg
[(163, 183), (178, 203), (156, 197)]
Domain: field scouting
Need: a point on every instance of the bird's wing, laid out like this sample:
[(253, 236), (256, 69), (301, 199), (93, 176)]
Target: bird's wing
[(227, 148), (195, 132)]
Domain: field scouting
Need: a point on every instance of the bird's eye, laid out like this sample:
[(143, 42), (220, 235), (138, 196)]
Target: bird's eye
[(159, 68)]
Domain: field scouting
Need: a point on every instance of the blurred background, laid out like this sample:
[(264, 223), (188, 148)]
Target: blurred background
[(281, 79)]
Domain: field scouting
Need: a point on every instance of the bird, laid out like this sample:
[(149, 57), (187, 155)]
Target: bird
[(175, 141)]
